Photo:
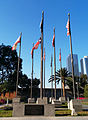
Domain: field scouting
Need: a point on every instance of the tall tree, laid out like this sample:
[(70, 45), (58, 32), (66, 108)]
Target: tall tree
[(61, 74), (8, 71), (8, 64)]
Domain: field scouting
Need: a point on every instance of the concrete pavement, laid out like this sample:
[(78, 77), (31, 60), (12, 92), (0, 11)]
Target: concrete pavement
[(45, 118)]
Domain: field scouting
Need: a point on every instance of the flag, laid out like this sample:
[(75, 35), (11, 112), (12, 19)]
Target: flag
[(44, 55), (68, 27), (60, 56), (41, 24), (17, 41), (53, 41), (36, 46), (32, 53)]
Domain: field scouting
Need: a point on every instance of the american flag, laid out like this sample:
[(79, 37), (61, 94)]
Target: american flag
[(68, 27)]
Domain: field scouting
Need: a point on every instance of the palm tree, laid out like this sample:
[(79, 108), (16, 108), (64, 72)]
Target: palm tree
[(63, 75)]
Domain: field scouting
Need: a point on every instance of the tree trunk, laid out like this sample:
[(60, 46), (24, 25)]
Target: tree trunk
[(63, 85)]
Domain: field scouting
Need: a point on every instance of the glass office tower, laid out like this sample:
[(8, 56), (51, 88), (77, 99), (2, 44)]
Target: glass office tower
[(84, 65), (75, 64)]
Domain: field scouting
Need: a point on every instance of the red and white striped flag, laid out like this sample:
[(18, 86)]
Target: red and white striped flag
[(36, 46), (68, 27), (53, 41), (15, 44)]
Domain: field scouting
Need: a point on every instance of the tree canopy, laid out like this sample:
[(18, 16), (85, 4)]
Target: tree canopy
[(86, 91), (8, 71)]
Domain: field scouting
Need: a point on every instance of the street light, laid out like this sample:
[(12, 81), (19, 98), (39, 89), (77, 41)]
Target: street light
[(77, 90)]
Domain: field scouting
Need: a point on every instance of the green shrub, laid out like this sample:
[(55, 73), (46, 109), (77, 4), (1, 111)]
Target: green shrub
[(86, 91)]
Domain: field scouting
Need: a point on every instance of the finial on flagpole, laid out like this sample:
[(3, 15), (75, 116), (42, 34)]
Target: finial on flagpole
[(20, 33), (42, 12), (68, 14), (54, 30)]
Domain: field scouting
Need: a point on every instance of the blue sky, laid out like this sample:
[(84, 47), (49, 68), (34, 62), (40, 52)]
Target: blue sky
[(25, 16)]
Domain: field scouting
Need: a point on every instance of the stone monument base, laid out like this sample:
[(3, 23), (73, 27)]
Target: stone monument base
[(31, 100), (56, 102), (16, 100), (43, 100), (62, 99), (20, 110)]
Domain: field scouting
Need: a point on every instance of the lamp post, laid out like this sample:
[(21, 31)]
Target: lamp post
[(77, 90)]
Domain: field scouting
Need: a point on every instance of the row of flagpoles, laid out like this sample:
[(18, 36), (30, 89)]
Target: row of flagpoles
[(40, 41)]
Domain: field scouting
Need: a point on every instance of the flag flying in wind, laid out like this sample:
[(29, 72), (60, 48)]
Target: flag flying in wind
[(17, 41), (60, 56), (53, 41), (36, 46), (68, 27)]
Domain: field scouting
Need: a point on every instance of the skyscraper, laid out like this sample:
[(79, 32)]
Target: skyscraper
[(84, 65), (75, 64)]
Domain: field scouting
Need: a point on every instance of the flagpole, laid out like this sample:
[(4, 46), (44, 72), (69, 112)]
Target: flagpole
[(44, 73), (51, 79), (61, 73), (72, 62), (54, 69), (18, 67), (32, 70), (41, 88)]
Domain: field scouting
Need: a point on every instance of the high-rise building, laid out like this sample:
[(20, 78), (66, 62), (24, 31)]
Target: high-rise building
[(75, 64), (84, 65)]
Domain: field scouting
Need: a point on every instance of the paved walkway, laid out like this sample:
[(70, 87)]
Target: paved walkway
[(5, 105), (45, 118)]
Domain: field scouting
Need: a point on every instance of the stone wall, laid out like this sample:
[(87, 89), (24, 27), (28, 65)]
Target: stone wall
[(21, 109)]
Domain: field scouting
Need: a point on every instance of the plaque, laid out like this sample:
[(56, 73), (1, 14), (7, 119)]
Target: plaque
[(34, 109)]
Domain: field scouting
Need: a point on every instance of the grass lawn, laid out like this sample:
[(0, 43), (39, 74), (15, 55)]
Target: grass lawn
[(62, 112), (5, 113), (82, 113), (85, 103)]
